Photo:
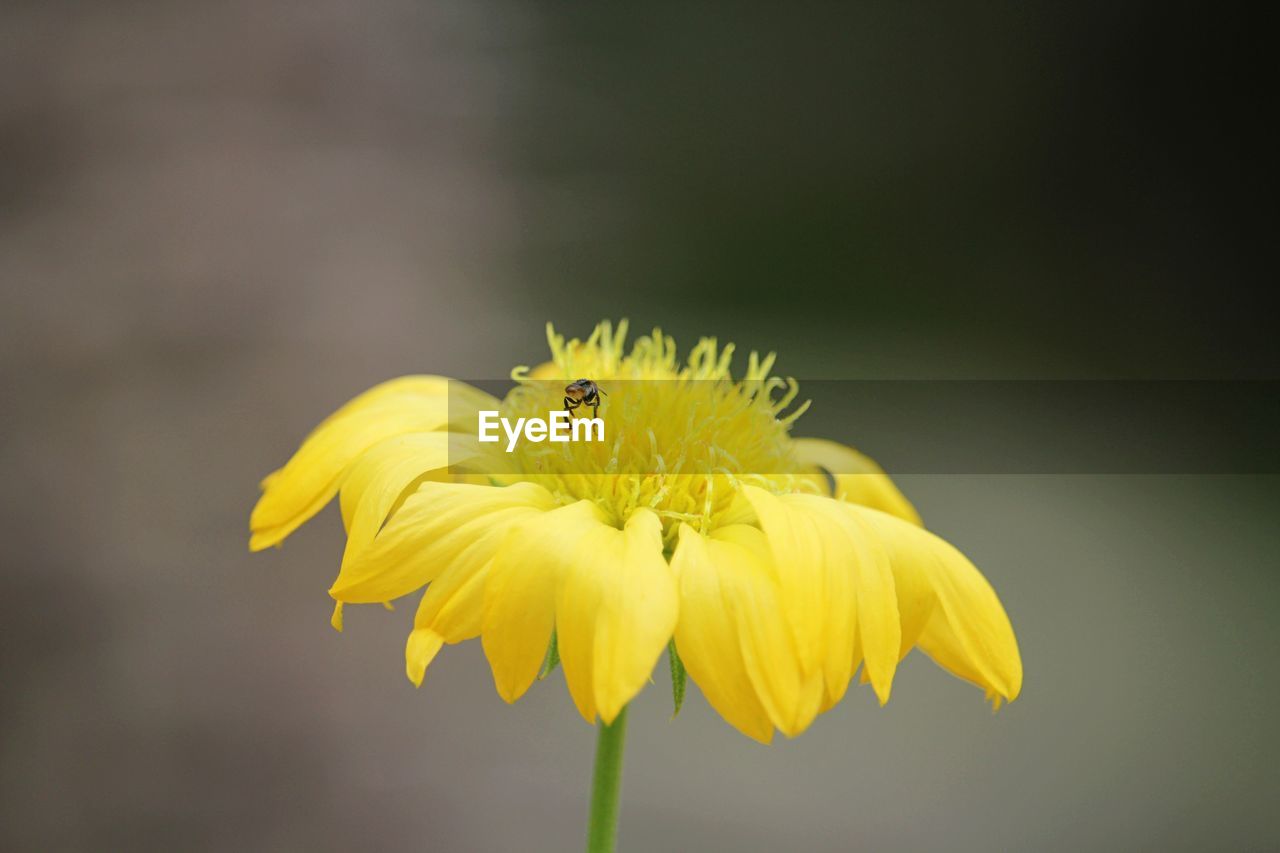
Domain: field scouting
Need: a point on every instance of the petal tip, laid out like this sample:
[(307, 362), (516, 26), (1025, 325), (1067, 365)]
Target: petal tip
[(261, 540), (422, 647)]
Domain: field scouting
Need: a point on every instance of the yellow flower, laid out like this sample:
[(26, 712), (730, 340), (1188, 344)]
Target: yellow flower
[(778, 565)]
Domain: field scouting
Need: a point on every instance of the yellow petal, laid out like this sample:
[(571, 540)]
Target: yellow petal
[(312, 477), (453, 605), (857, 478), (520, 593), (878, 640), (801, 564), (439, 526), (379, 478), (821, 569), (731, 634), (959, 621), (616, 610), (419, 651), (452, 608)]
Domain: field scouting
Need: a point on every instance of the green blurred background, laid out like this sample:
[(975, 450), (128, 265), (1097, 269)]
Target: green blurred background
[(219, 221)]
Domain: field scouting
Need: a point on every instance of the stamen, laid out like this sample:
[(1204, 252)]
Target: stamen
[(684, 427)]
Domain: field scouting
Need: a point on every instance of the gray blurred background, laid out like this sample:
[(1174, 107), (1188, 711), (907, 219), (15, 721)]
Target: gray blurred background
[(219, 221)]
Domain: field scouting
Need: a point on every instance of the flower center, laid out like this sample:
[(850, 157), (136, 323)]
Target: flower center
[(678, 439)]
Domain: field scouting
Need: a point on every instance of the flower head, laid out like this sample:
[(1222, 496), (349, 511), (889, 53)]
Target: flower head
[(779, 566)]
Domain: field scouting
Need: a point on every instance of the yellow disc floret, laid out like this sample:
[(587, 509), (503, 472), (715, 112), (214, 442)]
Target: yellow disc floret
[(680, 439)]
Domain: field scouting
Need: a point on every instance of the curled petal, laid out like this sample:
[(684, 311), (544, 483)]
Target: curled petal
[(313, 476), (615, 612), (949, 610), (858, 479), (878, 638), (420, 650), (520, 594), (440, 526), (452, 608), (450, 612), (731, 633), (832, 585), (800, 560), (380, 478), (609, 594)]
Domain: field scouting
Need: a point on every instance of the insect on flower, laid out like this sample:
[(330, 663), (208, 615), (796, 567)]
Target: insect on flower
[(584, 392), (779, 569)]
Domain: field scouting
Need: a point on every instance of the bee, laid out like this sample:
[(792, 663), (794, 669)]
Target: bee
[(580, 393)]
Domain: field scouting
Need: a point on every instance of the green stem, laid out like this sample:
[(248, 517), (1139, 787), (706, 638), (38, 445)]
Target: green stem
[(605, 785)]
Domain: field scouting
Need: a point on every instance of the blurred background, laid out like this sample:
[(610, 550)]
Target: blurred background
[(220, 221)]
